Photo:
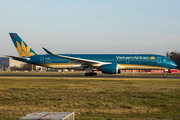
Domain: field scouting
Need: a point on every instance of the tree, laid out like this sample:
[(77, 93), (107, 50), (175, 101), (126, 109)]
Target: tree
[(175, 57), (27, 66), (13, 68)]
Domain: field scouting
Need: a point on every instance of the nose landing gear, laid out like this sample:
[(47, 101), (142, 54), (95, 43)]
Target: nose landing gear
[(164, 75)]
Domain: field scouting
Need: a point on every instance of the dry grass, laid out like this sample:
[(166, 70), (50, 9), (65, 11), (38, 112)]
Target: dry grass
[(91, 98), (82, 74)]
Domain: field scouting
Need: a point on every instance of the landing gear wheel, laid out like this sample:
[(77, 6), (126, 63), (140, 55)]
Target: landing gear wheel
[(86, 74), (90, 74), (95, 74), (164, 75)]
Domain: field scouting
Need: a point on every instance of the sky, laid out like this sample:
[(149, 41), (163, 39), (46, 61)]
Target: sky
[(91, 26)]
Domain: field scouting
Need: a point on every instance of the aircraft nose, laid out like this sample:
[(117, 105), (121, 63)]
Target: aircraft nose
[(175, 65)]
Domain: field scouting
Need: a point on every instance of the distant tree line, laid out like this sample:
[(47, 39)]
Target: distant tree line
[(24, 67), (175, 57)]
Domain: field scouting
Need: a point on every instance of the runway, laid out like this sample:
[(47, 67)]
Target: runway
[(85, 77)]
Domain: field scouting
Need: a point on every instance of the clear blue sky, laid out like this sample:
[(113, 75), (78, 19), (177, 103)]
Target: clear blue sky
[(92, 26)]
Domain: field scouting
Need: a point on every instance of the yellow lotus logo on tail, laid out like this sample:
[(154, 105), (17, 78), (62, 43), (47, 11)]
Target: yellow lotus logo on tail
[(23, 51)]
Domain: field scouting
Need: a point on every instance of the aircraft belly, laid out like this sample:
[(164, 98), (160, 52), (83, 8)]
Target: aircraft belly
[(78, 66), (129, 66)]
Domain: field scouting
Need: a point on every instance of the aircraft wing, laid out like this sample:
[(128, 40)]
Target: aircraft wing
[(79, 60), (16, 58)]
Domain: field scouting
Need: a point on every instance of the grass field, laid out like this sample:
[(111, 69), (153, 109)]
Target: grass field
[(82, 74), (91, 99)]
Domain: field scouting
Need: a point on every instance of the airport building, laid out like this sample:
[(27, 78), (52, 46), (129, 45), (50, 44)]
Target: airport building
[(15, 63), (4, 63)]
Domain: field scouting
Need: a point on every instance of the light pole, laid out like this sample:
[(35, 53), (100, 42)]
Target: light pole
[(32, 68), (168, 51), (44, 47), (39, 49)]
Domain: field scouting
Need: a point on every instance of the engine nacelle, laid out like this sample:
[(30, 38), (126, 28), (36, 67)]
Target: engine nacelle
[(110, 69)]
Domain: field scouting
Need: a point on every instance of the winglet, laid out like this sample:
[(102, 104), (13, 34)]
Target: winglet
[(47, 51)]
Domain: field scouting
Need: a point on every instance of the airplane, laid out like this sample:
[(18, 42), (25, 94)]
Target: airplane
[(106, 63)]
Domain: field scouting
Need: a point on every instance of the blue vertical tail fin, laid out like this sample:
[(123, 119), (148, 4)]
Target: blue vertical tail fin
[(22, 48)]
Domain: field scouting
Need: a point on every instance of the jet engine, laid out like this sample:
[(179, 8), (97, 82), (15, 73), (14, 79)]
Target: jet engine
[(110, 69)]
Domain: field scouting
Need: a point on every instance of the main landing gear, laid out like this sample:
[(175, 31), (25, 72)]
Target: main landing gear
[(91, 74), (90, 71)]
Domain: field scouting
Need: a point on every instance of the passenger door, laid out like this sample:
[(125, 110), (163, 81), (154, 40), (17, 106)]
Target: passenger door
[(159, 60), (42, 59)]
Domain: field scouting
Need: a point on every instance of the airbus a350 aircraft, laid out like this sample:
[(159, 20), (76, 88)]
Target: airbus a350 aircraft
[(107, 63)]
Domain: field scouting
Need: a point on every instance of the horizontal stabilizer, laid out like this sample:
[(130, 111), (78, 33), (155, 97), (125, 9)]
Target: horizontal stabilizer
[(17, 58)]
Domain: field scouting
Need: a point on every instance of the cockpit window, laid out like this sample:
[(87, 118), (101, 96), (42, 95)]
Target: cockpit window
[(169, 60)]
